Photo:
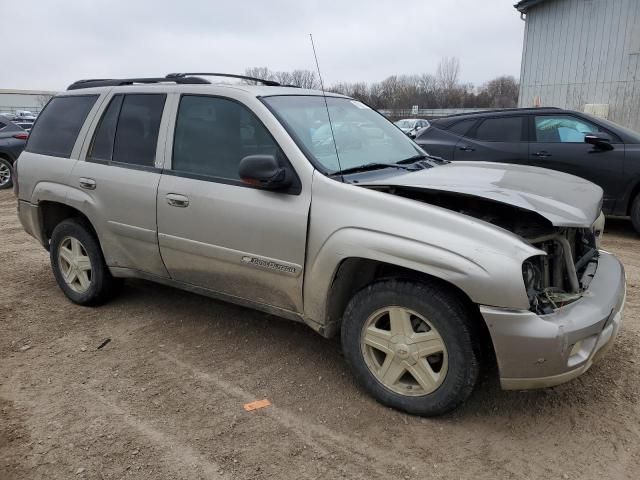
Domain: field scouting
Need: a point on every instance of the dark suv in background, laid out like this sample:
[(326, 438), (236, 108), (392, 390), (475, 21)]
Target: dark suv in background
[(589, 147), (12, 141)]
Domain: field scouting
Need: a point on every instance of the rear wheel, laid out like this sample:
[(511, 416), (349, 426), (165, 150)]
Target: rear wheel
[(635, 213), (410, 346), (6, 174), (78, 264)]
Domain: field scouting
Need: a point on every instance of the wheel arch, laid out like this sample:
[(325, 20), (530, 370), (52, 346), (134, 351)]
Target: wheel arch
[(52, 213), (356, 273)]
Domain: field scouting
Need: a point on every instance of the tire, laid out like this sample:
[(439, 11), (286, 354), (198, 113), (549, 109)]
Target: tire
[(635, 213), (78, 264), (6, 174), (447, 368)]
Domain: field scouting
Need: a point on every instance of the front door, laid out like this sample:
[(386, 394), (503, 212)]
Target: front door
[(558, 143), (218, 233)]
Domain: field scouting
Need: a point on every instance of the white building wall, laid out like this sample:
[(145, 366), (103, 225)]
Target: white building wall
[(12, 100), (579, 52)]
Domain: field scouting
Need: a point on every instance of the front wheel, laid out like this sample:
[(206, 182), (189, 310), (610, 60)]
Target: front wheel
[(410, 346)]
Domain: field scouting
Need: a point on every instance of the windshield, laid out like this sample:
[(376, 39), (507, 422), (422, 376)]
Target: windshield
[(405, 123), (362, 136)]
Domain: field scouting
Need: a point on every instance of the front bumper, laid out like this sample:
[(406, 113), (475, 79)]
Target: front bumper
[(537, 351)]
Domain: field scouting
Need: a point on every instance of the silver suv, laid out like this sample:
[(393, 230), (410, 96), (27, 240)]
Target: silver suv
[(319, 210)]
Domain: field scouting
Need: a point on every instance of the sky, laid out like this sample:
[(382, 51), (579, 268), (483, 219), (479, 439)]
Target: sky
[(48, 44)]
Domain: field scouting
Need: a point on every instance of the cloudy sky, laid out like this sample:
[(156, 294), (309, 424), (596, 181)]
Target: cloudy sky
[(48, 44)]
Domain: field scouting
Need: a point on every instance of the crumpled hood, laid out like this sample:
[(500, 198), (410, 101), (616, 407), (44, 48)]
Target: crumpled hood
[(565, 200)]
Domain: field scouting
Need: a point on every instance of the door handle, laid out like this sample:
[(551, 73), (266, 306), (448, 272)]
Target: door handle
[(176, 200), (87, 183), (542, 154), (467, 148)]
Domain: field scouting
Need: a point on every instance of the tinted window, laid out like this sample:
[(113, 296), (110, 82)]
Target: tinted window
[(102, 145), (562, 129), (506, 129), (461, 128), (137, 130), (58, 125), (2, 125), (213, 134)]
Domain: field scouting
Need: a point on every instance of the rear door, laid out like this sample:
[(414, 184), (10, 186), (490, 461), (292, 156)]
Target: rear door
[(216, 232), (558, 143), (495, 139), (118, 179)]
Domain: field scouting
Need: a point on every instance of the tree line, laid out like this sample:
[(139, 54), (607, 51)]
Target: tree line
[(440, 90)]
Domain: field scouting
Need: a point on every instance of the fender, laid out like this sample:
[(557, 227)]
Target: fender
[(477, 280)]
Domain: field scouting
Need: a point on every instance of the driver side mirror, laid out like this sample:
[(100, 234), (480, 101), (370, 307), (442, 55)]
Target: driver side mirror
[(599, 140), (264, 171)]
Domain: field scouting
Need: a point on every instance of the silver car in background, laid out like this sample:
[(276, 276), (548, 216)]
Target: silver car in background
[(427, 270)]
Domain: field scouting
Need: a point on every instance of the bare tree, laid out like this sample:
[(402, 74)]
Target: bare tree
[(448, 73), (442, 90), (305, 79), (501, 92)]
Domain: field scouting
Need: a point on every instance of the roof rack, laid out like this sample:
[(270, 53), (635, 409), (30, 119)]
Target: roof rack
[(115, 82), (269, 83), (179, 78), (497, 110)]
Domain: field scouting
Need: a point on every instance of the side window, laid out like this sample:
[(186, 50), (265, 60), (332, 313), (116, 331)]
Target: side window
[(102, 145), (2, 125), (58, 125), (562, 129), (504, 129), (137, 130), (213, 134), (461, 128), (128, 130)]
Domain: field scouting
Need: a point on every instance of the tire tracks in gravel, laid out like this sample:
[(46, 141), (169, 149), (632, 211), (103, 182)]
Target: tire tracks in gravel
[(318, 436)]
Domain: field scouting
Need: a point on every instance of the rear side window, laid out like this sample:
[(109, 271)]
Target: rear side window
[(2, 125), (461, 128), (213, 134), (58, 125), (128, 130), (505, 129)]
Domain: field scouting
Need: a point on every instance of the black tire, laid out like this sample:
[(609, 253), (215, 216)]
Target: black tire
[(447, 314), (102, 284), (4, 166), (635, 213)]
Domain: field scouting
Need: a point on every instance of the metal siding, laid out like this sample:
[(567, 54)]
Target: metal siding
[(583, 51)]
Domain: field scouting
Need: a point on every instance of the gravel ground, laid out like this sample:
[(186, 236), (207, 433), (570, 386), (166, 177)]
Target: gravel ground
[(164, 398)]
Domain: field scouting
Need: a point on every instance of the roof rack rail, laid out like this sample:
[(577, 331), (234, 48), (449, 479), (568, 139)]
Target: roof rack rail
[(499, 110), (115, 82), (269, 83)]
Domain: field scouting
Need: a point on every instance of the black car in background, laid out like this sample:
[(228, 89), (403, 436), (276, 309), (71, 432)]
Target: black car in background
[(12, 142), (589, 147)]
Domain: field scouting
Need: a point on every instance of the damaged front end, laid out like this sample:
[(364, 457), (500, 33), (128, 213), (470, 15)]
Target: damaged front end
[(561, 275), (552, 280)]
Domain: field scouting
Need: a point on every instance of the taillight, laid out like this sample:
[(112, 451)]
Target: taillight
[(21, 136)]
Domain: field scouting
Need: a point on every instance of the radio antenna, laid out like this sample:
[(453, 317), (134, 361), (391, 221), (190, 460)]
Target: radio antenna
[(324, 95)]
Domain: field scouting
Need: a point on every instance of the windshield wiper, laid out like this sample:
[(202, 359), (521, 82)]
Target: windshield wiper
[(372, 166), (413, 159), (420, 156)]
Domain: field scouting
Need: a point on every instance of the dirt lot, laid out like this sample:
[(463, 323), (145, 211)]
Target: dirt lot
[(164, 399)]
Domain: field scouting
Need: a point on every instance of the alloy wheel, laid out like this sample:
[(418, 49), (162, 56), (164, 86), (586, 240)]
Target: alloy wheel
[(404, 351), (75, 264)]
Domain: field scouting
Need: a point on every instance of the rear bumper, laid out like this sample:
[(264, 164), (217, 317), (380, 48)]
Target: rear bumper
[(30, 218), (537, 351)]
